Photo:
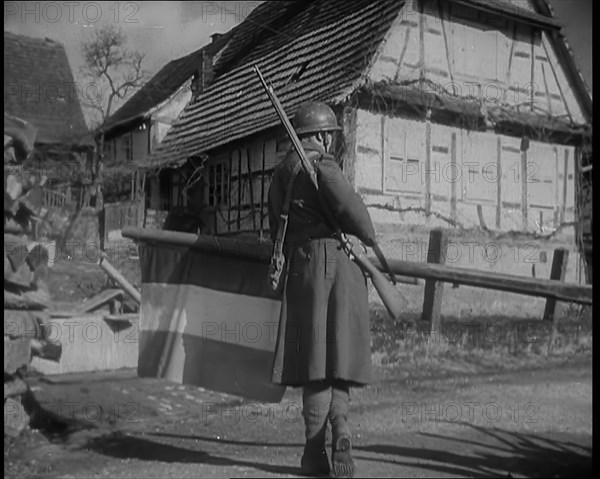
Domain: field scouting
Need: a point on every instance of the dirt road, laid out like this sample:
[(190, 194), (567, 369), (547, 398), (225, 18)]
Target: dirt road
[(520, 424)]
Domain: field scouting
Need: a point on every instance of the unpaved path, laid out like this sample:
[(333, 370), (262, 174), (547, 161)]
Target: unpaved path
[(526, 424)]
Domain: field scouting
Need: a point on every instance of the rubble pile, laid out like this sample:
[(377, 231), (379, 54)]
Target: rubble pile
[(26, 296)]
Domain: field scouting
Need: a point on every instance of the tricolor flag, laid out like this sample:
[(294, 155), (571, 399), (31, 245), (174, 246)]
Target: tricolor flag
[(208, 316)]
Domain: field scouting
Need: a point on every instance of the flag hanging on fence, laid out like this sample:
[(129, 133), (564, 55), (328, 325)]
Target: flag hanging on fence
[(208, 319)]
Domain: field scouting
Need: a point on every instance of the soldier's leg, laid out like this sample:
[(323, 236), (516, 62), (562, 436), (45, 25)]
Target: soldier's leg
[(316, 398), (342, 462)]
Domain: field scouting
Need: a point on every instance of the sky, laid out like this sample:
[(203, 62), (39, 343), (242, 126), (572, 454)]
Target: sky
[(164, 31)]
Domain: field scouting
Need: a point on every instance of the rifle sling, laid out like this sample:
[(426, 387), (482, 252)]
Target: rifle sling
[(339, 233), (283, 223)]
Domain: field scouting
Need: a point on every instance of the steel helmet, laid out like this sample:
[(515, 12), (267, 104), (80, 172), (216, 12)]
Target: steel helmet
[(313, 117)]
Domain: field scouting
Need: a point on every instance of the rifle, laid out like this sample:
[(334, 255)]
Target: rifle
[(393, 299)]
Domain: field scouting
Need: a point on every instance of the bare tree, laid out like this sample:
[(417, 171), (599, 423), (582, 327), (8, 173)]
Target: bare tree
[(113, 72), (116, 72)]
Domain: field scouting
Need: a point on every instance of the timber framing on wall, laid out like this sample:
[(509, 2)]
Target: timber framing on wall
[(349, 129)]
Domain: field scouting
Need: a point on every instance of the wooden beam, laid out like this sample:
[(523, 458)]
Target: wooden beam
[(544, 288), (251, 187), (385, 152), (532, 74), (453, 181), (556, 186), (498, 183), (559, 268), (261, 251), (428, 164), (421, 40), (524, 147), (120, 280), (563, 206), (556, 80), (434, 290)]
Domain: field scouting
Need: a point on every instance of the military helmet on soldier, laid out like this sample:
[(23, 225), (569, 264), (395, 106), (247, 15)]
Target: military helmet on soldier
[(313, 117)]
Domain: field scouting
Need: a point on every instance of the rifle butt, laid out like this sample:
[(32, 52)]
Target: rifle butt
[(393, 300)]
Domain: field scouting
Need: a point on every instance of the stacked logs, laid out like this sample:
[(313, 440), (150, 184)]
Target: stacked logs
[(26, 296)]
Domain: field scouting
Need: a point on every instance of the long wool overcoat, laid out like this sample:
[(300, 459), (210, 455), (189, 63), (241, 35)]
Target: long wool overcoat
[(324, 325)]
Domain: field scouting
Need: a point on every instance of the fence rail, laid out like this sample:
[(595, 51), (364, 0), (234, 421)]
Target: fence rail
[(52, 199), (436, 275)]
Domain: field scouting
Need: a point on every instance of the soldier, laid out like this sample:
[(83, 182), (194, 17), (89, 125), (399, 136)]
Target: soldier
[(324, 337)]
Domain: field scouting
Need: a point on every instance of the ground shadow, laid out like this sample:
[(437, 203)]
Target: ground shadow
[(131, 447), (227, 441), (498, 453), (490, 453)]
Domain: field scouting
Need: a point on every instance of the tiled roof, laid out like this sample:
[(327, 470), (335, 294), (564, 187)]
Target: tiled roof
[(315, 50), (162, 85), (39, 88)]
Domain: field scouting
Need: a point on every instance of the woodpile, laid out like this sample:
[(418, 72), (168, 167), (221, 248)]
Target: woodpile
[(26, 296)]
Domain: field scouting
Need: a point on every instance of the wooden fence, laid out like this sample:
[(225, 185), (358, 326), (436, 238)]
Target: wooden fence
[(54, 199), (434, 271)]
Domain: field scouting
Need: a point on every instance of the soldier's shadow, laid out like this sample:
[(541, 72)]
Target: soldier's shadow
[(131, 447)]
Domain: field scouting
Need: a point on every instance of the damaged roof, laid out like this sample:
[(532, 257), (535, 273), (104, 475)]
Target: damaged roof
[(39, 88), (318, 50)]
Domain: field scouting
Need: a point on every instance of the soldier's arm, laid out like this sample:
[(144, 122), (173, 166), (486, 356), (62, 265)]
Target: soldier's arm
[(346, 205)]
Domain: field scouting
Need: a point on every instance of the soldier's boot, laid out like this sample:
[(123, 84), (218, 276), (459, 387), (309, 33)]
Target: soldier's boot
[(315, 407), (341, 460)]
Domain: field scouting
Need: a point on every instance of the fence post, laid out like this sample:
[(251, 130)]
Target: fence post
[(434, 290), (559, 268)]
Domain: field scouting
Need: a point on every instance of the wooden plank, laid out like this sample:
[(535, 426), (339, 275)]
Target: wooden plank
[(498, 183), (99, 300), (559, 268), (251, 189), (118, 278), (532, 78), (421, 41), (482, 222), (545, 288), (124, 317), (453, 181), (524, 147), (563, 206), (385, 152), (434, 290), (428, 164), (90, 376)]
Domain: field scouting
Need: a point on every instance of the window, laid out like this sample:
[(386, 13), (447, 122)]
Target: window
[(403, 176), (128, 147), (404, 163), (218, 184)]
